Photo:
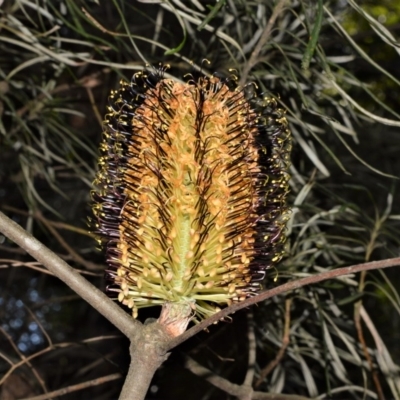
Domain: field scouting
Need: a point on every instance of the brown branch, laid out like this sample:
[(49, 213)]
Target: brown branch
[(232, 388), (146, 358), (287, 287), (285, 342), (261, 42), (74, 388), (71, 277)]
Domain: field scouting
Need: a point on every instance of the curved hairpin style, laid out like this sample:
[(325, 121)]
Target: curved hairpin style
[(190, 198)]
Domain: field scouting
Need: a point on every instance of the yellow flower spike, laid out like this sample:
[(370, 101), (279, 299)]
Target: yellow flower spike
[(190, 194)]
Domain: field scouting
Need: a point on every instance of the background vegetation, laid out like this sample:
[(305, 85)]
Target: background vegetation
[(332, 64)]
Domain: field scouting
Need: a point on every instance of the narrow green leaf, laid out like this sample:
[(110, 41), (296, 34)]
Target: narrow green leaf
[(212, 14), (312, 44)]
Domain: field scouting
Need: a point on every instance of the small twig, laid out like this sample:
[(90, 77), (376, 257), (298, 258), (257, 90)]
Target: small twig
[(232, 388), (361, 339), (14, 250), (32, 265), (287, 287), (359, 304), (261, 42), (74, 388), (383, 357), (101, 27), (39, 324), (56, 224), (75, 256), (285, 342), (248, 380), (36, 266), (374, 373), (95, 109), (90, 81), (55, 299), (23, 361)]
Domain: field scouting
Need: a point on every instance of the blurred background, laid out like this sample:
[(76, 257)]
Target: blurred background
[(333, 65)]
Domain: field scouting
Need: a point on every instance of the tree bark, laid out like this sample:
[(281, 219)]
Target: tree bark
[(146, 357)]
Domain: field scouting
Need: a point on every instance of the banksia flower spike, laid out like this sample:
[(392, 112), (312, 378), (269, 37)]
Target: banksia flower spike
[(191, 191)]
